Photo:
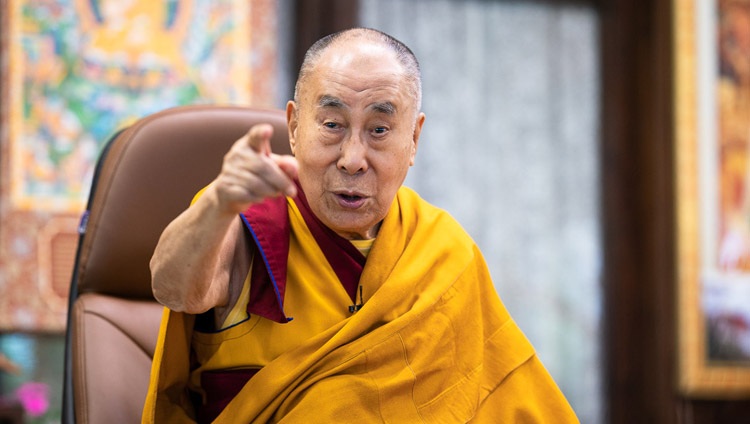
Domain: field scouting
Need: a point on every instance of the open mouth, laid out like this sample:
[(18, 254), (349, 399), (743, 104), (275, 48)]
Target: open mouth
[(351, 200)]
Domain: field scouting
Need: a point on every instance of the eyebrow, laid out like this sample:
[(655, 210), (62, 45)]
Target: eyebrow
[(330, 101), (327, 101), (387, 108)]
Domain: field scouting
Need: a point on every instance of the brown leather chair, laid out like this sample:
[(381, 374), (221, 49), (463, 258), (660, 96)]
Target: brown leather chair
[(145, 177)]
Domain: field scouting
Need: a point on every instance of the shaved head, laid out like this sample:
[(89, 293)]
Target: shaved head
[(403, 54)]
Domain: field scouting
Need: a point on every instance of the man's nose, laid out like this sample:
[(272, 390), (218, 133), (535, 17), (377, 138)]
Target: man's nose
[(353, 154)]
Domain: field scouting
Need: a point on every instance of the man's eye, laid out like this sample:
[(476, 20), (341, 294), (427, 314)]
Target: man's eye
[(331, 125), (380, 130)]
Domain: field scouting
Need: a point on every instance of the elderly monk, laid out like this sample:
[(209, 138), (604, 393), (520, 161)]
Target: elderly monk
[(316, 288)]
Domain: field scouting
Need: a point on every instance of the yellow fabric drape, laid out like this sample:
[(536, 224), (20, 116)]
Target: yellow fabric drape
[(314, 298), (433, 344)]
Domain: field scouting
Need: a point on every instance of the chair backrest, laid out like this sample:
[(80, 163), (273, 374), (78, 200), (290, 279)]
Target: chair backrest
[(145, 177)]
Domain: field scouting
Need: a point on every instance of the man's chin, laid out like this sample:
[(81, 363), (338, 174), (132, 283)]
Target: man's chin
[(347, 230)]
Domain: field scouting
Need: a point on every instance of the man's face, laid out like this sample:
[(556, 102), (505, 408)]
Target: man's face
[(354, 134)]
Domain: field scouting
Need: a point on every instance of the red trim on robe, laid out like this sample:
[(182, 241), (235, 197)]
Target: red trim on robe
[(268, 223), (345, 259)]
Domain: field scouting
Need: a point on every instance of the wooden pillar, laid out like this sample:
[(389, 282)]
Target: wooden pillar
[(638, 211)]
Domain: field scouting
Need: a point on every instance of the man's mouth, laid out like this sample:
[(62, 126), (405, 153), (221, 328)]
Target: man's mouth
[(351, 200)]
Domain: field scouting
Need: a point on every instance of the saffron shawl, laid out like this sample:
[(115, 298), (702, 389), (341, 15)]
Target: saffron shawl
[(433, 344)]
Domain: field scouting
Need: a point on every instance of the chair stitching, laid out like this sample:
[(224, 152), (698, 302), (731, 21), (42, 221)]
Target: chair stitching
[(122, 330)]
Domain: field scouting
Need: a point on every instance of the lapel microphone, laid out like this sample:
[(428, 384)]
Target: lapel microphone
[(357, 306)]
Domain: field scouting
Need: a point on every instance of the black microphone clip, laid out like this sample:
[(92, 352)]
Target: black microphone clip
[(354, 308)]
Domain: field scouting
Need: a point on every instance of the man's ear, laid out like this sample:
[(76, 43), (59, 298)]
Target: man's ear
[(415, 137), (291, 123)]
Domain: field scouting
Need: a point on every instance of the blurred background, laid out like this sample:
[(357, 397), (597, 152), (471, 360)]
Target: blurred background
[(550, 136)]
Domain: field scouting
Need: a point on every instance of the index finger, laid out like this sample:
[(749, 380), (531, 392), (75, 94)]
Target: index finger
[(259, 138)]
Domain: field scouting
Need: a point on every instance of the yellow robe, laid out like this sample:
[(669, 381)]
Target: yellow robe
[(433, 344)]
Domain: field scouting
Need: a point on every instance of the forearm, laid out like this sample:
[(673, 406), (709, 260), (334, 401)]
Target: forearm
[(190, 265)]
